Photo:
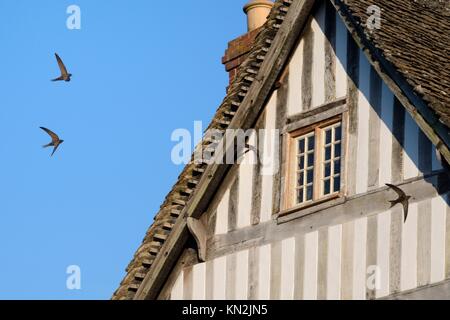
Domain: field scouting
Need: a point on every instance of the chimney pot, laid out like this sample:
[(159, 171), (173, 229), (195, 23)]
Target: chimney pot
[(257, 12)]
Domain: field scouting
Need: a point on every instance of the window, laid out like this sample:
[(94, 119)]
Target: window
[(331, 159), (305, 167), (314, 172)]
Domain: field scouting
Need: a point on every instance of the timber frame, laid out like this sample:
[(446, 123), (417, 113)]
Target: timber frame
[(198, 231), (245, 117), (427, 121), (260, 83), (334, 212)]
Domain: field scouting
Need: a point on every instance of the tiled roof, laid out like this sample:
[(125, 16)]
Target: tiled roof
[(414, 36), (188, 179)]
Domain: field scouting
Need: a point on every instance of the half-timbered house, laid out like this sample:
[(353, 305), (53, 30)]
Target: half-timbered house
[(352, 95)]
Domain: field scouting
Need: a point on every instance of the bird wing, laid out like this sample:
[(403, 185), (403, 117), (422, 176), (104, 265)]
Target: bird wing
[(405, 208), (54, 150), (53, 135), (249, 148), (61, 65), (396, 189)]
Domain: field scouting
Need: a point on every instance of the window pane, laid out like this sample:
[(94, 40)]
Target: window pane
[(337, 150), (300, 179), (301, 145), (327, 170), (328, 137), (338, 133), (310, 159), (337, 166), (301, 161), (326, 187), (328, 153), (310, 176), (299, 195), (309, 193), (311, 143), (337, 184)]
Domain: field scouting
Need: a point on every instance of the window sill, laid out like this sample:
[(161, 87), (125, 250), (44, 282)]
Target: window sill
[(309, 208)]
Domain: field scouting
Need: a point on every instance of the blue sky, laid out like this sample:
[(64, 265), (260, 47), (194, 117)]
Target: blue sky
[(141, 69)]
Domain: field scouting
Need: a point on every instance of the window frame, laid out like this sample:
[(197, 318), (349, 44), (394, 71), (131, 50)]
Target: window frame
[(290, 201)]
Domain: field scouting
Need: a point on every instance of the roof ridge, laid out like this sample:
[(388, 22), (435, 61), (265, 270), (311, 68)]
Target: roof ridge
[(184, 187)]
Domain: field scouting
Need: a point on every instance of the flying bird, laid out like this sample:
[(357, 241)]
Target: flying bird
[(55, 140), (64, 74), (248, 148), (403, 199)]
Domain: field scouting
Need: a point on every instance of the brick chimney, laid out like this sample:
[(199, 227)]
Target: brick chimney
[(257, 12)]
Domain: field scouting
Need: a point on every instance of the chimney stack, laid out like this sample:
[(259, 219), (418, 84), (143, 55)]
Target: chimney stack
[(257, 12)]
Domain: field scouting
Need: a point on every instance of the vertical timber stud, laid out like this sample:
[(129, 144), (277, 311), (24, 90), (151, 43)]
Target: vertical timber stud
[(281, 116)]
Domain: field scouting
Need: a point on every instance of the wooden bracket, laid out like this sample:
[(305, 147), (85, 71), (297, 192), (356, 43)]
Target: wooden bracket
[(198, 231)]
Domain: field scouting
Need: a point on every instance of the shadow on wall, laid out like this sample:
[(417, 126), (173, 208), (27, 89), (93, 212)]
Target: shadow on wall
[(399, 139)]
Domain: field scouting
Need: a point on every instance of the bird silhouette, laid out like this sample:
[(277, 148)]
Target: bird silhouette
[(55, 140), (64, 74), (403, 199), (249, 148)]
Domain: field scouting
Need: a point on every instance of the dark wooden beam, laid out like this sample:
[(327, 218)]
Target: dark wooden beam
[(198, 231)]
